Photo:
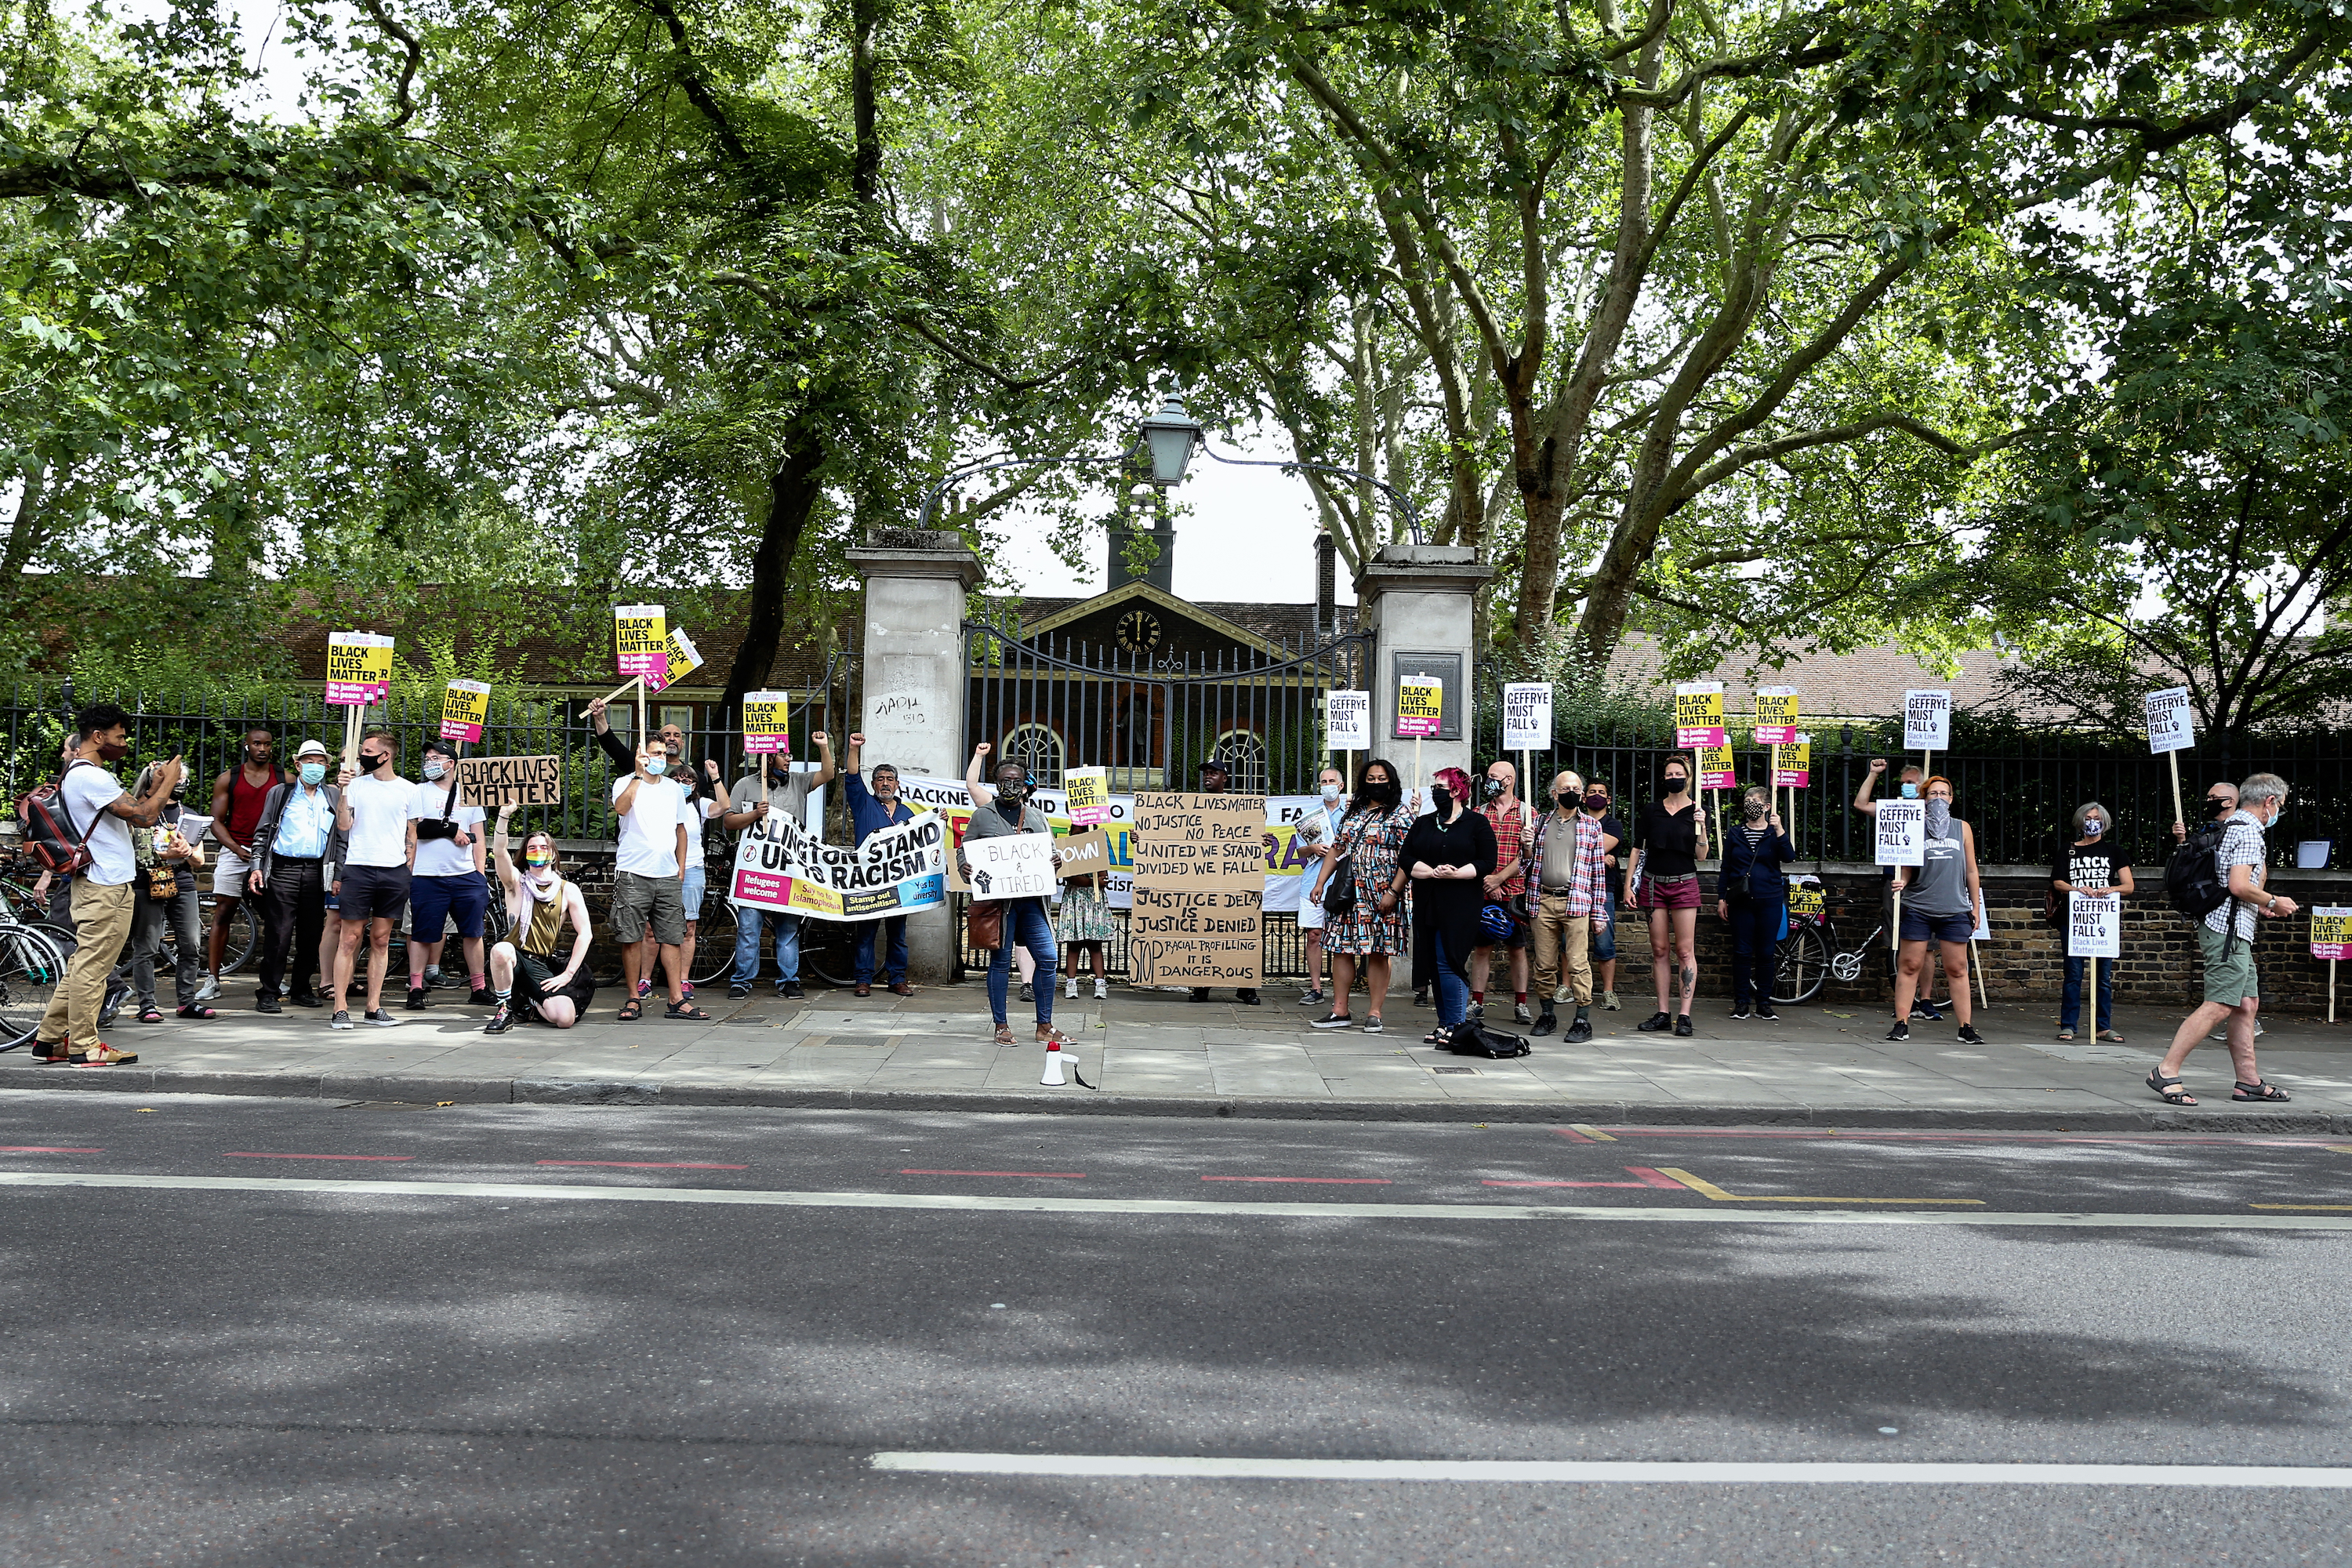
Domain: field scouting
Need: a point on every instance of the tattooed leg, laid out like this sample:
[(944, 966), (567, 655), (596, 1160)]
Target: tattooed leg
[(1689, 984)]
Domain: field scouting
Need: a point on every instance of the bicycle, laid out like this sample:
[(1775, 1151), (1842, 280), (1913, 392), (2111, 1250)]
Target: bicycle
[(1810, 956), (32, 963)]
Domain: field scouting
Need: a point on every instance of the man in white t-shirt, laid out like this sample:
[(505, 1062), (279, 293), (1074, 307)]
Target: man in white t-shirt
[(104, 891), (446, 882), (660, 828), (371, 883)]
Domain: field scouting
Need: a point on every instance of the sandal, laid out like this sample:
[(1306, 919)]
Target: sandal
[(2113, 1036), (687, 1013), (1050, 1034), (150, 1014), (632, 1010), (2175, 1095), (2066, 1034), (1005, 1035), (1437, 1037), (2265, 1091), (196, 1010)]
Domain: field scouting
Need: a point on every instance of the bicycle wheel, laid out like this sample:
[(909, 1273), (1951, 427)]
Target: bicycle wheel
[(30, 970), (714, 944), (242, 944), (1801, 965), (829, 952), (17, 897)]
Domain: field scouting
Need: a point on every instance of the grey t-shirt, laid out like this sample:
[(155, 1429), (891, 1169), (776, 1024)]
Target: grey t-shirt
[(789, 798)]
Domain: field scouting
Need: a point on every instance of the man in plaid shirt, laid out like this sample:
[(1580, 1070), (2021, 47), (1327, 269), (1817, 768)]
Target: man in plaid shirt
[(1510, 817), (1568, 855)]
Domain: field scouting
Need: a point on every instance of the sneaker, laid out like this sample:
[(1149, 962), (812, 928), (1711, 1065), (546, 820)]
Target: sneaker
[(2223, 1032), (1683, 1025), (209, 989), (1655, 1022), (791, 991), (1740, 1010), (1331, 1021), (1102, 989), (341, 1020), (1546, 1024), (737, 992), (1900, 1033), (1764, 1011), (1519, 1014), (305, 999), (117, 994), (1309, 998), (1578, 1032), (263, 1002), (1928, 1010), (1372, 1024), (102, 1054), (501, 1019), (1246, 998), (1609, 1001), (1969, 1036), (380, 1019), (417, 999), (1027, 995), (482, 999)]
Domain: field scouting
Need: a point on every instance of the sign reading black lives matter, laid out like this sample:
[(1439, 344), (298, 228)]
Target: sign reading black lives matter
[(493, 782), (1200, 883)]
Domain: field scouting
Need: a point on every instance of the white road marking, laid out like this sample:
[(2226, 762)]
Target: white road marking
[(1277, 1209), (1646, 1472)]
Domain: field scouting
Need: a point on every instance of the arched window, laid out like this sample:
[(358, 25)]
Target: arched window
[(1243, 754), (1038, 748)]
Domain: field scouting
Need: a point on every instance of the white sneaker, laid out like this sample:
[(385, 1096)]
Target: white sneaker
[(1519, 1014), (2223, 1032), (209, 989), (1102, 988), (1073, 992)]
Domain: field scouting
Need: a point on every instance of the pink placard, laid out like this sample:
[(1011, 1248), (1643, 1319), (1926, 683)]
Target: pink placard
[(453, 731), (2331, 950), (1792, 778)]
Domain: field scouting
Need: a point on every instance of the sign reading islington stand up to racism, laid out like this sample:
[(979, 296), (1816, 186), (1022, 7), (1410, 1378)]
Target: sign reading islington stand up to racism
[(896, 871)]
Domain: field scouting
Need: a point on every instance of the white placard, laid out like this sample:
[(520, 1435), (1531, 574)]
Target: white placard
[(1984, 926), (2171, 724), (1927, 720), (1527, 716), (2095, 925), (1902, 832), (1012, 866), (1348, 721)]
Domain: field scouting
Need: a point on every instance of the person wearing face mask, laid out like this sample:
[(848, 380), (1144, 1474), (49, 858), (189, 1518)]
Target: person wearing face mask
[(1604, 920), (1371, 932), (2221, 804), (2225, 939), (371, 889), (1672, 841), (1906, 787), (1316, 829), (1940, 905), (238, 796), (535, 973), (999, 809), (873, 808), (772, 788), (659, 828), (1499, 803), (1447, 855), (168, 865), (1751, 895), (446, 844), (2095, 865), (293, 841), (1571, 854)]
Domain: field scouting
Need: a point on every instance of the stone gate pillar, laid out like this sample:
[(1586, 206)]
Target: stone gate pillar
[(1418, 601), (916, 582)]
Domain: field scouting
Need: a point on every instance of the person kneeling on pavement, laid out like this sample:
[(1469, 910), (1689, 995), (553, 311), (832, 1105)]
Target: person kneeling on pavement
[(529, 978)]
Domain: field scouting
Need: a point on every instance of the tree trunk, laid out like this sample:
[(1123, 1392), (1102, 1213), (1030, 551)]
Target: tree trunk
[(866, 169), (793, 493)]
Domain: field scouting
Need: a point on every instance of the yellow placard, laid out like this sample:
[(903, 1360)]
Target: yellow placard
[(1805, 899), (1715, 768), (767, 721), (680, 659), (1698, 714), (1089, 795), (359, 668), (1776, 715), (465, 708), (2331, 932), (639, 632), (1420, 707)]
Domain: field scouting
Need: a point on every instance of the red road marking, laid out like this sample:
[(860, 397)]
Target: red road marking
[(645, 1164), (243, 1155), (1572, 1134), (1642, 1184), (1864, 1135), (1652, 1179), (1058, 1176), (1320, 1181), (38, 1149)]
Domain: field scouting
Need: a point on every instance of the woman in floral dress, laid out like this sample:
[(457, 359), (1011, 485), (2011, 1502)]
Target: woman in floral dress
[(1373, 931)]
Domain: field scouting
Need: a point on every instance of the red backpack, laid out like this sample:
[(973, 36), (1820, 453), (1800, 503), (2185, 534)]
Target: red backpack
[(50, 836)]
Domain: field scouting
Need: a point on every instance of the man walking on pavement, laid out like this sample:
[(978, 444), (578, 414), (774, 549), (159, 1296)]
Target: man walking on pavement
[(1507, 816), (2220, 800), (1214, 777), (772, 787), (2225, 939), (1570, 863), (872, 809), (293, 840), (238, 796)]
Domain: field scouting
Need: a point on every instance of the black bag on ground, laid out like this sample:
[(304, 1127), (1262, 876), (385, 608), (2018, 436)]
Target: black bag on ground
[(1472, 1039), (2191, 881)]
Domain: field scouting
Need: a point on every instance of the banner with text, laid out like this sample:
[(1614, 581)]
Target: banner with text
[(1902, 832), (1714, 770), (2171, 724), (2094, 924), (493, 782), (1776, 715), (1089, 795), (1527, 716), (1420, 707), (465, 708), (896, 871), (767, 723), (680, 659), (2331, 931), (1348, 721), (1698, 714), (1927, 720), (639, 633), (1200, 875), (1796, 769), (359, 668)]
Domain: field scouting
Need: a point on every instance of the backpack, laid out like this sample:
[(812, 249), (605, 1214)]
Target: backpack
[(1472, 1039), (2192, 881), (50, 836)]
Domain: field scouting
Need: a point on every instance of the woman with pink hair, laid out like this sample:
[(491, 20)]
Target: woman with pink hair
[(1446, 856)]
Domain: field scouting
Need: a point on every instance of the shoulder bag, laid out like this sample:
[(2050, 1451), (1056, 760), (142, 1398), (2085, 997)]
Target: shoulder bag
[(983, 925)]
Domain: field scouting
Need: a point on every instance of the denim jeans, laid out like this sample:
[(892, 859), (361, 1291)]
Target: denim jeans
[(1452, 989), (1604, 934), (749, 919), (891, 935), (148, 917), (2070, 1009), (1024, 923), (1755, 943)]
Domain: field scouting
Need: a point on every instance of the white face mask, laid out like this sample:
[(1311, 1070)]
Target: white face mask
[(1330, 792), (433, 770)]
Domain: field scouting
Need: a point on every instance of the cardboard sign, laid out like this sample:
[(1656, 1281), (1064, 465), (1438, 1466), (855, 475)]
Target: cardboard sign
[(1348, 721), (1983, 931), (1796, 769), (1527, 716), (1420, 707), (1089, 795), (2094, 924), (465, 708), (1011, 865), (359, 668), (2171, 724), (896, 871), (680, 659), (767, 723), (1698, 714), (1200, 840), (1194, 938), (1197, 910), (1902, 836), (493, 782), (638, 634), (1083, 854), (1776, 715), (1927, 720), (1714, 770), (2331, 931)]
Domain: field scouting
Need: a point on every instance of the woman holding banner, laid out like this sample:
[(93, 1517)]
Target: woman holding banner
[(1941, 904), (1370, 931), (2092, 865)]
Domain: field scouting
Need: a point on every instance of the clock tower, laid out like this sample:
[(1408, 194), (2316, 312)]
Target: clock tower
[(1161, 573)]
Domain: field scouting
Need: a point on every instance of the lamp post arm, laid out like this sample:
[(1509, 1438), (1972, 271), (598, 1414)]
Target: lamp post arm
[(1397, 498)]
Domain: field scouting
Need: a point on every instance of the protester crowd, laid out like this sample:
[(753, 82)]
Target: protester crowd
[(1457, 878)]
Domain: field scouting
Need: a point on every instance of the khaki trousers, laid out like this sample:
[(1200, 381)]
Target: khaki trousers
[(1558, 933), (101, 921)]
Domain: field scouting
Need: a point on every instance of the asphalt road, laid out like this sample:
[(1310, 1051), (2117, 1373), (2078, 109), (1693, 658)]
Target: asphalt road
[(702, 1336)]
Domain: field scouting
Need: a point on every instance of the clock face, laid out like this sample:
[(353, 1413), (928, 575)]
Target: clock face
[(1138, 631)]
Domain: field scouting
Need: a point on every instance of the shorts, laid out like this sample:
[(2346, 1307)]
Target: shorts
[(373, 892), (533, 977), (1918, 926), (1516, 941), (464, 897), (1682, 895), (2229, 980), (639, 900), (690, 895), (229, 871), (1310, 913)]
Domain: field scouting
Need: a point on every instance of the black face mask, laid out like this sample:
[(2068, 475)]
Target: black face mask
[(2218, 809), (1442, 798), (1565, 802), (369, 764), (1381, 791), (1494, 788), (1008, 801), (1677, 786)]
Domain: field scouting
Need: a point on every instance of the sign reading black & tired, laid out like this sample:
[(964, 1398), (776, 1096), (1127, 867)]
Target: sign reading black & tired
[(493, 782)]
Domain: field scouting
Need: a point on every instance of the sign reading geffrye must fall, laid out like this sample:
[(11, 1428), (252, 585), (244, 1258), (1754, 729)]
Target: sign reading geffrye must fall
[(1200, 877)]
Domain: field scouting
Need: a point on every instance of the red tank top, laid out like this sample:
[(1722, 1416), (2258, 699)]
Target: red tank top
[(245, 803)]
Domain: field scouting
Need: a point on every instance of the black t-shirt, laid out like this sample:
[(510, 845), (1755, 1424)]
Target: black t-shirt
[(2089, 866), (1669, 840), (1616, 829)]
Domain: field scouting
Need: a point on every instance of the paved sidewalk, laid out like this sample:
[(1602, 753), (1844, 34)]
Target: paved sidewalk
[(1158, 1054)]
